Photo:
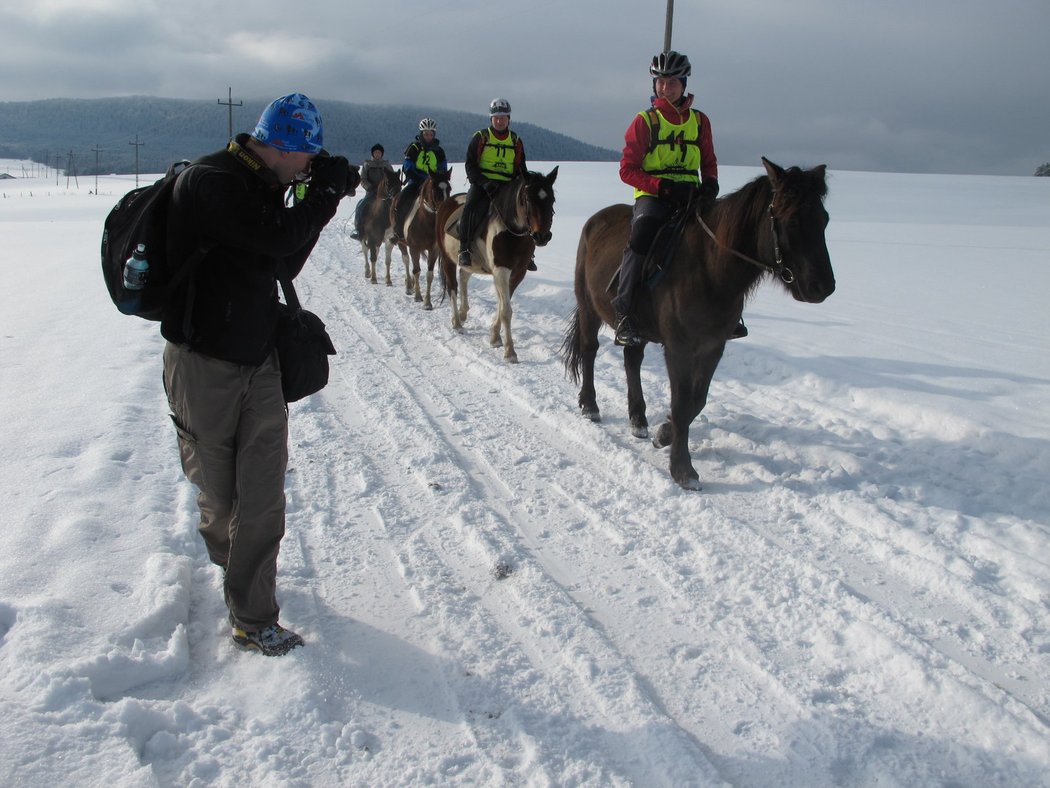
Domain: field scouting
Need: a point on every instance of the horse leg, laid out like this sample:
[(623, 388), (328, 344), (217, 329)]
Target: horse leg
[(431, 256), (464, 303), (417, 294), (690, 382), (504, 312), (366, 252), (632, 365), (585, 336), (370, 272)]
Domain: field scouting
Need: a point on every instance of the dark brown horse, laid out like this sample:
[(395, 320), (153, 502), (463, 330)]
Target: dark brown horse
[(420, 235), (775, 225), (376, 224), (519, 220)]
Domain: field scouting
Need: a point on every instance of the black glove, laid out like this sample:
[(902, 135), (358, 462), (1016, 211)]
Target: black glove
[(677, 193), (330, 175), (490, 188), (708, 193), (353, 180)]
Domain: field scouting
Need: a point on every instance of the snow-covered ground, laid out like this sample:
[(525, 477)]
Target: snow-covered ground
[(859, 596)]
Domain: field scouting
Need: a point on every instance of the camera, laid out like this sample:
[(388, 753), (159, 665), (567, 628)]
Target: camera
[(325, 169)]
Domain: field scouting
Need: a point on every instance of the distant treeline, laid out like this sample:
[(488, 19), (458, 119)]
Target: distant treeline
[(54, 131)]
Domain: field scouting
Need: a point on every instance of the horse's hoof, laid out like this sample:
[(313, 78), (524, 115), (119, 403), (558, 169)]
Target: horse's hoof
[(590, 413), (662, 436), (640, 430), (511, 358), (428, 306), (693, 485), (419, 299)]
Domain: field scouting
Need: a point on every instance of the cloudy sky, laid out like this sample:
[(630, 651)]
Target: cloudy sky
[(952, 86)]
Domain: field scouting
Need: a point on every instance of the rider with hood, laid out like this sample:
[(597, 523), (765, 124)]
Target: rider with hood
[(423, 156), (669, 159), (495, 155)]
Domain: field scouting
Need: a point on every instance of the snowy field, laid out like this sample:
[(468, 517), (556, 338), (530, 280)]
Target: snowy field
[(860, 595)]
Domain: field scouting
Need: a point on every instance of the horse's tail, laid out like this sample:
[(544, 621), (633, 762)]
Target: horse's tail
[(570, 347)]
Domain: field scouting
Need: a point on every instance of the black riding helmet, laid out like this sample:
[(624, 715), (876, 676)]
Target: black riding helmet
[(671, 64)]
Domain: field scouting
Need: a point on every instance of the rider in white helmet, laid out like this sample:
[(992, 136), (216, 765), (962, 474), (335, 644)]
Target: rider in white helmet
[(423, 156)]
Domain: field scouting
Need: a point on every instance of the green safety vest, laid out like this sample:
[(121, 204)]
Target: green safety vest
[(674, 148), (496, 159), (426, 161)]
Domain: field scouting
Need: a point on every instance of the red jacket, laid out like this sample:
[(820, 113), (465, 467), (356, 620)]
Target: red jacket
[(636, 146)]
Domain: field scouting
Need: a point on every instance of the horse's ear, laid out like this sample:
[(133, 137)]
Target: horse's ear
[(774, 172), (553, 173), (820, 171)]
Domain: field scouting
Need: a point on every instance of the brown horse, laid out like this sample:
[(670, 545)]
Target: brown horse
[(775, 224), (519, 220), (420, 235), (376, 224)]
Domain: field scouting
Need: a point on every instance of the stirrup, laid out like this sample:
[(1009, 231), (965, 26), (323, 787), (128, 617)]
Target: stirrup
[(626, 336)]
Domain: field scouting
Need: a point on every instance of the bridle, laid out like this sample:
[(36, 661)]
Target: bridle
[(528, 211), (786, 274), (434, 185)]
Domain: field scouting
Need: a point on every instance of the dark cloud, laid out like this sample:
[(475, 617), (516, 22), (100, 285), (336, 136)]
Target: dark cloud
[(900, 86)]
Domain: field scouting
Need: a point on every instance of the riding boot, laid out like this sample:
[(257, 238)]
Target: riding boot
[(740, 331)]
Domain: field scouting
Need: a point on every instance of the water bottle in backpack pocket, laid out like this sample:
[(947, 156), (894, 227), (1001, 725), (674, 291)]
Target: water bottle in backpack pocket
[(136, 274)]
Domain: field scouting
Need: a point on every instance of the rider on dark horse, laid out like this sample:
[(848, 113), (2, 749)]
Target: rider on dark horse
[(422, 157), (373, 171), (669, 159), (494, 156)]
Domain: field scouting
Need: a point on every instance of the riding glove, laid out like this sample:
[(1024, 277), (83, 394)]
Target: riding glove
[(677, 193)]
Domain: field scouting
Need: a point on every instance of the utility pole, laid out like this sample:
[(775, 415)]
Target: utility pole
[(97, 150), (137, 144), (72, 168), (667, 25), (229, 103)]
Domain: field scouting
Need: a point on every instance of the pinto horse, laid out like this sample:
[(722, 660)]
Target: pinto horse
[(519, 220), (376, 224), (420, 235), (774, 225)]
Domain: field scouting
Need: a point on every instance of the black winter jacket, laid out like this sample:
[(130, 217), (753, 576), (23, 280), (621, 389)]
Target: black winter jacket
[(233, 205)]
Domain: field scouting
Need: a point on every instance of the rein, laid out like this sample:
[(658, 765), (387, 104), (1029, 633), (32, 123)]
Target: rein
[(778, 268)]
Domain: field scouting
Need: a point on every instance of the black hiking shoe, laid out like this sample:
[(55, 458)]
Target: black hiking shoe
[(626, 336), (464, 258), (273, 641), (739, 332)]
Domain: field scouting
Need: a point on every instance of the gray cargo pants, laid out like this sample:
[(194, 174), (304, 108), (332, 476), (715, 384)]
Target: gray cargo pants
[(232, 426)]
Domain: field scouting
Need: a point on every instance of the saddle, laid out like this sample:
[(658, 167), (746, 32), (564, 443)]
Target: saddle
[(661, 253)]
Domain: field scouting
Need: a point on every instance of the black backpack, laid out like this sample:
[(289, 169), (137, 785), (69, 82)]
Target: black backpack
[(141, 217)]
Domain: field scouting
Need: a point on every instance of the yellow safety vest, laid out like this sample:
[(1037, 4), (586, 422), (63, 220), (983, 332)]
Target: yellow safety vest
[(674, 149), (496, 159), (426, 161)]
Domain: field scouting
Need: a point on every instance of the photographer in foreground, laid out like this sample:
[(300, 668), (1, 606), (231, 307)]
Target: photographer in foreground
[(221, 372)]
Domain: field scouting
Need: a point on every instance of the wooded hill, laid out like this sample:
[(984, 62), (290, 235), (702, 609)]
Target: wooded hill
[(49, 131)]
